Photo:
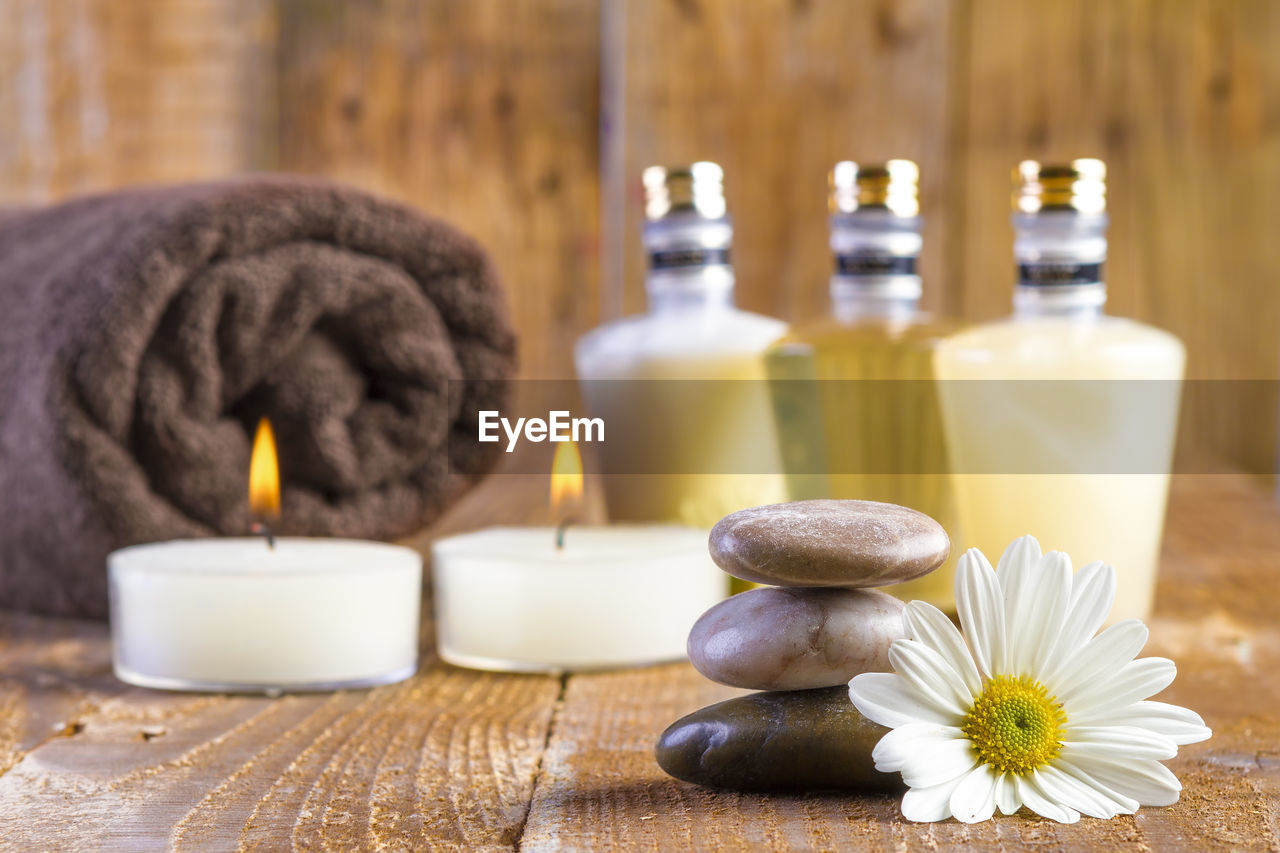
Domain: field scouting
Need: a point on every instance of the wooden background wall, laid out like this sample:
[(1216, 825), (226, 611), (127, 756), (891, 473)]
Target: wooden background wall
[(527, 121)]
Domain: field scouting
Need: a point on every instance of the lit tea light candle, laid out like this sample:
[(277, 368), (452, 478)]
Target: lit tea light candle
[(264, 614), (544, 599)]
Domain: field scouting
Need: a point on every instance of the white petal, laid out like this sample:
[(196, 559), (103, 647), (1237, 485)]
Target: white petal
[(1110, 802), (925, 805), (1148, 782), (1119, 741), (980, 604), (1093, 590), (1178, 724), (1017, 574), (1022, 553), (930, 676), (885, 698), (974, 799), (1100, 658), (1069, 791), (1040, 801), (895, 747), (945, 760), (930, 626), (1034, 611), (1008, 800), (1114, 689)]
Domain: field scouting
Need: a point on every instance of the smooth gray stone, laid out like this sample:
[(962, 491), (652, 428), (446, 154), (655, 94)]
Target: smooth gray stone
[(793, 639), (800, 740), (829, 543)]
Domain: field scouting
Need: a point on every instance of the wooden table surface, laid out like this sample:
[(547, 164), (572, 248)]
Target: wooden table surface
[(454, 759)]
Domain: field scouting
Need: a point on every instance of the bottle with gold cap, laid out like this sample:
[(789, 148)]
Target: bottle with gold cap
[(870, 427), (1070, 437), (690, 448)]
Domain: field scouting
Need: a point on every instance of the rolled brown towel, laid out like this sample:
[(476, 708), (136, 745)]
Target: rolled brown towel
[(143, 332)]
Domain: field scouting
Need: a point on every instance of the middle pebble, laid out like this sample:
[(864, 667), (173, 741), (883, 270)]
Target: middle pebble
[(795, 639)]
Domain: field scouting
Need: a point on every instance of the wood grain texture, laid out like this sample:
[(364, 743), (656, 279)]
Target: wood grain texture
[(777, 92), (445, 760), (52, 672), (101, 94), (483, 113)]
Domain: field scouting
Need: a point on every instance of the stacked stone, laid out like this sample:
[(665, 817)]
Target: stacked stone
[(802, 639)]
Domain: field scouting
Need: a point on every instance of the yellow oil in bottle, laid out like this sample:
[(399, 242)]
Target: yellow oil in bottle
[(854, 396), (874, 415), (1045, 413), (699, 419)]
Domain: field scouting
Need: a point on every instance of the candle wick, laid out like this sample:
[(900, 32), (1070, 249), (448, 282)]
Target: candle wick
[(560, 530), (264, 530)]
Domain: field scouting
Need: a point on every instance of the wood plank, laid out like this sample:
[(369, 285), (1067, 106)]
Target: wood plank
[(103, 94), (777, 92), (1181, 100), (52, 673), (601, 789), (483, 113), (445, 759)]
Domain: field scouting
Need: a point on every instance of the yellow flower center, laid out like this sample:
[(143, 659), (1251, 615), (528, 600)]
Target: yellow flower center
[(1015, 725)]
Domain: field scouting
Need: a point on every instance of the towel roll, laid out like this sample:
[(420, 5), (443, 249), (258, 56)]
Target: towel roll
[(144, 332)]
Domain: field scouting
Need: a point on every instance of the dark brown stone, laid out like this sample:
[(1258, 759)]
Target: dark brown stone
[(799, 740), (829, 543)]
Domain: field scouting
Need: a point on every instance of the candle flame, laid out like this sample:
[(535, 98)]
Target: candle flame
[(264, 473), (566, 477)]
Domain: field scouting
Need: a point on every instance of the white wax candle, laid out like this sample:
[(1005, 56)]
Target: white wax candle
[(233, 614), (508, 599)]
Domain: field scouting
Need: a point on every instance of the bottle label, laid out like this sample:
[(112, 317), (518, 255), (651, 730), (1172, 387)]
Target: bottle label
[(875, 265), (678, 258), (1058, 273)]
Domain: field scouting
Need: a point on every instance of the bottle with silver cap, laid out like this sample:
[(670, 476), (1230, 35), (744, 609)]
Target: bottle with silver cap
[(1070, 438), (715, 438), (870, 427)]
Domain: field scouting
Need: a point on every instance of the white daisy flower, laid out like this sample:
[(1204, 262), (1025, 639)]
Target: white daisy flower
[(1028, 707)]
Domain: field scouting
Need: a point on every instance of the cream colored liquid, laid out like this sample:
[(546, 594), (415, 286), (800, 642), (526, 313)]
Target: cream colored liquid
[(705, 431), (716, 434), (891, 425), (1053, 435)]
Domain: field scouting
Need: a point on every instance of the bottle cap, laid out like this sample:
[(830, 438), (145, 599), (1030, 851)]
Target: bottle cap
[(697, 188), (1080, 185), (893, 186)]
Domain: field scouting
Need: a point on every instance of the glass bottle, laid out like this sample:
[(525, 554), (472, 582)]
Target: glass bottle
[(1070, 438), (870, 428), (695, 405)]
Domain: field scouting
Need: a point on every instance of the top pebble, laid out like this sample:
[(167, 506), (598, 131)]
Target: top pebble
[(852, 544)]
